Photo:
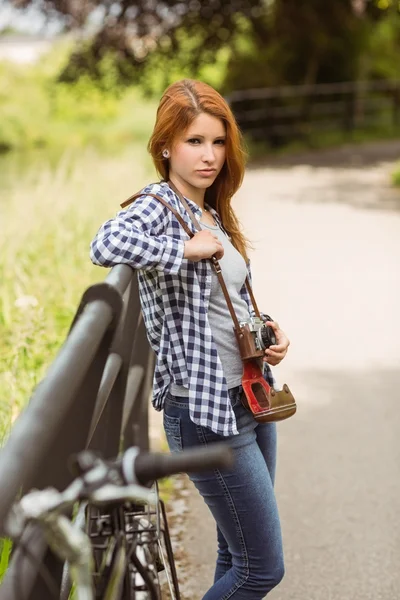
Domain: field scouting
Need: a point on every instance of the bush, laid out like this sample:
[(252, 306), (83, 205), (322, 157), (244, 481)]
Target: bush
[(24, 108), (36, 109), (396, 176), (383, 48)]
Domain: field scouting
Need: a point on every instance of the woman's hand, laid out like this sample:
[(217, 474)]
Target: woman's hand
[(203, 245), (275, 353)]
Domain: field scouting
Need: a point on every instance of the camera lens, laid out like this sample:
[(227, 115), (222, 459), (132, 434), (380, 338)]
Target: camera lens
[(266, 336)]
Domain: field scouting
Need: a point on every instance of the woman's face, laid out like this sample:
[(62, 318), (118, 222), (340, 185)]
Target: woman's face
[(198, 155)]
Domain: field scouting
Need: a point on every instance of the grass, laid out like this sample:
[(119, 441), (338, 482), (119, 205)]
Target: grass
[(51, 214), (396, 176), (5, 549)]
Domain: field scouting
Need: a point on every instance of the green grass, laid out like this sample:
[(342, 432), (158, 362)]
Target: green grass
[(396, 176), (51, 214), (5, 549)]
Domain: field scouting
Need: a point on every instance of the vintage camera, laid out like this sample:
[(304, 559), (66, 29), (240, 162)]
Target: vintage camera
[(263, 334), (254, 337)]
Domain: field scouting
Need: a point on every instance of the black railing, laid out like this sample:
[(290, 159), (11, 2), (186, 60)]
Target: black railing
[(95, 395), (278, 115)]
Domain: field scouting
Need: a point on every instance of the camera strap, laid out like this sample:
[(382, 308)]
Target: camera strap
[(214, 260)]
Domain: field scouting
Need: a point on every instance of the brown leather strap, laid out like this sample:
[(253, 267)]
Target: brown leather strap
[(132, 198), (215, 262), (186, 205), (253, 300), (213, 259)]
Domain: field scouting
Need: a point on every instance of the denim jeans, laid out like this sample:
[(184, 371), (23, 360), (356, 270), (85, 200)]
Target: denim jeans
[(241, 500)]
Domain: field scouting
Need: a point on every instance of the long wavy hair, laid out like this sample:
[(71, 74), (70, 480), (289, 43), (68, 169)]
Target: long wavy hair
[(180, 104)]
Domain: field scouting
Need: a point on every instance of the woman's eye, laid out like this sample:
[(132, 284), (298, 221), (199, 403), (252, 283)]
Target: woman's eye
[(194, 141), (220, 142)]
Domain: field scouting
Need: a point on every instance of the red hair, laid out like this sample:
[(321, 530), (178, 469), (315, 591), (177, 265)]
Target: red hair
[(180, 104)]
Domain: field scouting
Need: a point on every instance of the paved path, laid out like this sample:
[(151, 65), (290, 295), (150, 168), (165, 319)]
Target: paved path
[(326, 266)]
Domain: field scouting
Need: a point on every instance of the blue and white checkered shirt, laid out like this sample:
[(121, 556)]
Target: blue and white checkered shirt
[(174, 296)]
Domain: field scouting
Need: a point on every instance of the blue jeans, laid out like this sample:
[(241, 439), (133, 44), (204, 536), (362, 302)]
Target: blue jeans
[(242, 500)]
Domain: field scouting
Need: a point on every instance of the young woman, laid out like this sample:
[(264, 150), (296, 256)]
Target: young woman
[(196, 145)]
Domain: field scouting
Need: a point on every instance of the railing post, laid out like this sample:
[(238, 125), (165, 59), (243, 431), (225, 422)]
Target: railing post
[(137, 397), (76, 400), (396, 105), (136, 418), (107, 435), (348, 117), (359, 103)]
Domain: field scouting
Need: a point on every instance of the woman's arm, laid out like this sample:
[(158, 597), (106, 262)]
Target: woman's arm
[(136, 237)]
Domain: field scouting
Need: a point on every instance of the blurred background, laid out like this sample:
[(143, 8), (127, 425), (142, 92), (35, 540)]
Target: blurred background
[(315, 87)]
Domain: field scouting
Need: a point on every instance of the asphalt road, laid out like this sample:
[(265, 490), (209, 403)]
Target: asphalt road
[(326, 266)]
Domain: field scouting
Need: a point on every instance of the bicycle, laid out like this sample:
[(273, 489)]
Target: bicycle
[(119, 542)]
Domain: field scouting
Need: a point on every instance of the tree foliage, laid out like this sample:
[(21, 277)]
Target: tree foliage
[(264, 42), (133, 30)]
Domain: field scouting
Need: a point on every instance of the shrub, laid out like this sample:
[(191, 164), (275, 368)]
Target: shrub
[(396, 176), (36, 109)]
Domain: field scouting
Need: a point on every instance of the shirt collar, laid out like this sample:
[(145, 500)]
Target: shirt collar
[(199, 211), (195, 207)]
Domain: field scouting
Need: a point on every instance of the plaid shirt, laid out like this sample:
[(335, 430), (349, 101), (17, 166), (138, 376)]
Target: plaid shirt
[(174, 296)]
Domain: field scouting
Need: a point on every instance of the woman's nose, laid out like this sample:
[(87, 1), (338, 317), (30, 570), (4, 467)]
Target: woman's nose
[(208, 154)]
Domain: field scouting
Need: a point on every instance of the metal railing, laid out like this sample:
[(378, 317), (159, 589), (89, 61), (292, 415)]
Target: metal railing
[(281, 114), (95, 395)]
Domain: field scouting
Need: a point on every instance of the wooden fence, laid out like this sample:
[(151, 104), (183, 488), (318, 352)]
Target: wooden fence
[(278, 115)]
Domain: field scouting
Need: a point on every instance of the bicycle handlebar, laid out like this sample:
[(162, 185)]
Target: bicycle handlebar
[(120, 479), (145, 467)]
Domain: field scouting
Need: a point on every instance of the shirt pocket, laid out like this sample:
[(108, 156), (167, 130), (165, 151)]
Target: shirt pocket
[(172, 427)]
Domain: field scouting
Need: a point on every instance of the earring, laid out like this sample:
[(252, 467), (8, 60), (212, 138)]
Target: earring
[(165, 153)]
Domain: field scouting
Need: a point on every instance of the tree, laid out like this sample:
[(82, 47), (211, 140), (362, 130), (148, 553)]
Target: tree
[(133, 30), (267, 42)]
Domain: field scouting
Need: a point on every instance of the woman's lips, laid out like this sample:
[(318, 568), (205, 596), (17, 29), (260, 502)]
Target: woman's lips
[(206, 172)]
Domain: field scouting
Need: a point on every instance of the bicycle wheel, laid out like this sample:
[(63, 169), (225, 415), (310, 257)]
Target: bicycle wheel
[(166, 551), (103, 526), (145, 563), (124, 566), (152, 548)]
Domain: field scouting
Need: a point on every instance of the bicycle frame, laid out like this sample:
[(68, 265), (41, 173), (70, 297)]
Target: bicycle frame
[(65, 538)]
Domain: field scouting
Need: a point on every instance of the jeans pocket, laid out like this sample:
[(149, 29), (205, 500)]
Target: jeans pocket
[(235, 396), (172, 427)]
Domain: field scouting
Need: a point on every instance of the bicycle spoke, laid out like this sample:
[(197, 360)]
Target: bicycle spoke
[(117, 575), (169, 550)]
